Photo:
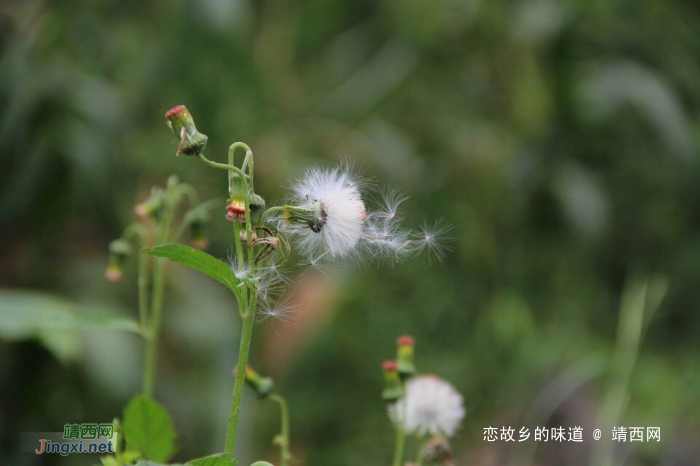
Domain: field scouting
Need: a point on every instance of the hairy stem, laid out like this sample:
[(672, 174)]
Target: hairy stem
[(244, 350), (248, 297)]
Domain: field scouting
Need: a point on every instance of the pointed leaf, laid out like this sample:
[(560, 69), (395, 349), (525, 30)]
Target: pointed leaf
[(147, 427), (198, 260)]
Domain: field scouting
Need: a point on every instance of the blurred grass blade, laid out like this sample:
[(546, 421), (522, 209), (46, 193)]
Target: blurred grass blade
[(639, 302), (198, 260)]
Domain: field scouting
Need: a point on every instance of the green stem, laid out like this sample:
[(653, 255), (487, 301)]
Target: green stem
[(248, 296), (222, 166), (400, 441), (419, 454), (153, 331), (270, 211), (138, 234), (244, 350), (284, 434), (400, 435), (143, 293)]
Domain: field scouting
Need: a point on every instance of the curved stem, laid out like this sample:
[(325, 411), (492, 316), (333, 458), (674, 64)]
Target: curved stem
[(284, 433), (222, 166), (248, 296), (271, 211)]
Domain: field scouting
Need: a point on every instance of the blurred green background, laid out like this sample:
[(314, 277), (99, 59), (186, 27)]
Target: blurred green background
[(560, 138)]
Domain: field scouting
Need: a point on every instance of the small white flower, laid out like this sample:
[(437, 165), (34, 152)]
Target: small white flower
[(432, 405), (329, 206)]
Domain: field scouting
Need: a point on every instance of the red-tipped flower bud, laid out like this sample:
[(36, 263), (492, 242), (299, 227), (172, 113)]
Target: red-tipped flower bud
[(404, 356), (190, 141), (392, 383), (119, 251), (151, 207)]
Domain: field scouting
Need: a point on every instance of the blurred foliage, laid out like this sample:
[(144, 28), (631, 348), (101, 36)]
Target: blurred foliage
[(560, 138)]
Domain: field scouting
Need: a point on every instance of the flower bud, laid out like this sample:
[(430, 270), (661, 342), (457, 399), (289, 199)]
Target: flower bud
[(256, 202), (404, 356), (235, 207), (262, 386), (191, 141), (196, 220), (392, 382), (312, 216), (151, 207), (437, 451), (119, 251), (244, 236)]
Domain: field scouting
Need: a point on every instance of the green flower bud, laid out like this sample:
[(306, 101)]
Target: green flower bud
[(119, 251), (312, 216), (191, 141), (392, 383), (151, 207), (197, 220), (262, 386), (404, 356)]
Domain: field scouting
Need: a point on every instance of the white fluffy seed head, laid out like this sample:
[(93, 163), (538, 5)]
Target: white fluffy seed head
[(432, 406), (342, 211)]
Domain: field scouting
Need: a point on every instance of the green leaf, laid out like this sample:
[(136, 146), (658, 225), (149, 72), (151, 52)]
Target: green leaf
[(198, 260), (147, 427), (221, 459), (151, 463), (25, 314)]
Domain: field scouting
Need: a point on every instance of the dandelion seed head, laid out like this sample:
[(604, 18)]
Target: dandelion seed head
[(336, 195), (432, 406)]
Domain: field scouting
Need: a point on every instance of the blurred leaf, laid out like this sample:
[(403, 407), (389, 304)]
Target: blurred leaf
[(148, 428), (607, 88), (151, 463), (198, 260), (215, 460), (25, 314)]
